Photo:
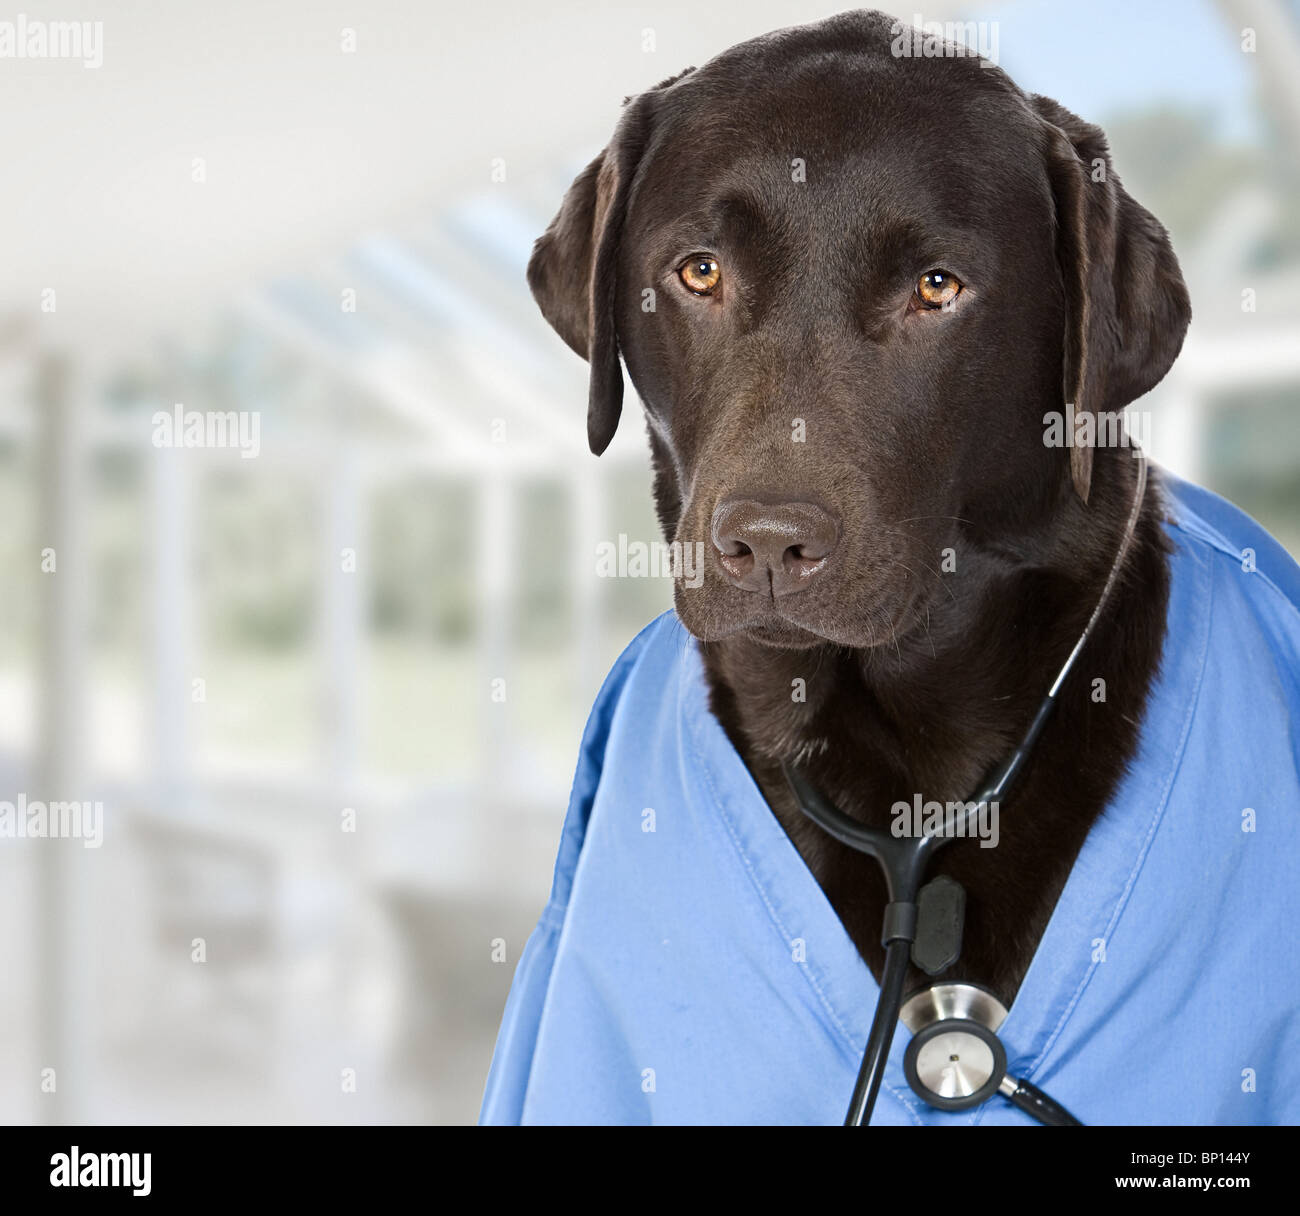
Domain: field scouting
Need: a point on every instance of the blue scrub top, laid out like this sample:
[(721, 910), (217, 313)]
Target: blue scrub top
[(695, 973)]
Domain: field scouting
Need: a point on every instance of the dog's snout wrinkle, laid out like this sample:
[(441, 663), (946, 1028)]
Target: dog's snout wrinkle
[(772, 548)]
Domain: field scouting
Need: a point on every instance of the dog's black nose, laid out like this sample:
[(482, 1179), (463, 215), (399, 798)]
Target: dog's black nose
[(776, 546)]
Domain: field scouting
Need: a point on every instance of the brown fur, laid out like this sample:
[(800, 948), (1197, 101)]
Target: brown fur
[(923, 432)]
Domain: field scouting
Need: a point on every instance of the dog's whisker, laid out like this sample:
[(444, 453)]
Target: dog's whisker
[(942, 581), (961, 519)]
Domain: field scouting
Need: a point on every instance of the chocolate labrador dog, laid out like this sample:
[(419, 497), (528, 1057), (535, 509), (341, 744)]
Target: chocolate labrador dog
[(848, 284)]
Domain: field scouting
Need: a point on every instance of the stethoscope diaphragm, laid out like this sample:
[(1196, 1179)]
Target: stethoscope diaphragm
[(955, 1059)]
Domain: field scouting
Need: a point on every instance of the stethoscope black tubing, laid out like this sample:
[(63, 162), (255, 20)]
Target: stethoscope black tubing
[(881, 1037), (1033, 1101)]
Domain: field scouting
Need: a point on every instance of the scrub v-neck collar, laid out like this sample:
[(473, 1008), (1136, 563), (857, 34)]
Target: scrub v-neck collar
[(1086, 913)]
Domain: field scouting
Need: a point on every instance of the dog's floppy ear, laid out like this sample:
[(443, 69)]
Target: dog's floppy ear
[(1126, 303), (573, 270)]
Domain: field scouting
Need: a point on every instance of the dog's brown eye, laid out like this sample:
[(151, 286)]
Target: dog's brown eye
[(936, 288), (700, 273)]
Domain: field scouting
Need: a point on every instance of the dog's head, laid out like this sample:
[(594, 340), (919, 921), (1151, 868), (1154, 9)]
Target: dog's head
[(848, 280)]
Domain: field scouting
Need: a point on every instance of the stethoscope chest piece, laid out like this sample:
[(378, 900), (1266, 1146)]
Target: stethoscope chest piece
[(955, 1059)]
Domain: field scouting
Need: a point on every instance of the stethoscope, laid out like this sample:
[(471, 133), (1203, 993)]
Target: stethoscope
[(955, 1060)]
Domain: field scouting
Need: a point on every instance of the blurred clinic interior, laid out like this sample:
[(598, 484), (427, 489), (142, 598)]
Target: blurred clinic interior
[(326, 672)]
